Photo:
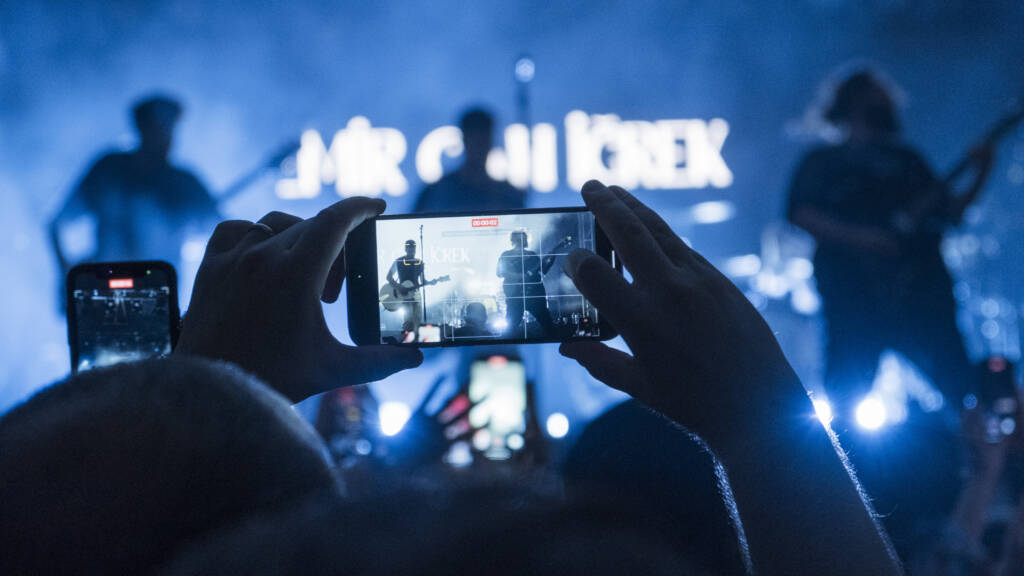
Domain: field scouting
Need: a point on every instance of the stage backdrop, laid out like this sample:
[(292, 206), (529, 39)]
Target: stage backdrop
[(696, 104)]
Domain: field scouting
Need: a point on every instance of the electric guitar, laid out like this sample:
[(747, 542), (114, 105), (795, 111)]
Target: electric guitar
[(927, 217), (922, 224), (393, 297)]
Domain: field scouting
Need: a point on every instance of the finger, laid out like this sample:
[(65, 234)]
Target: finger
[(459, 430), (362, 364), (323, 235), (456, 410), (630, 238), (335, 278), (670, 242), (272, 224), (226, 236), (279, 221), (431, 392), (458, 404), (609, 365), (604, 287)]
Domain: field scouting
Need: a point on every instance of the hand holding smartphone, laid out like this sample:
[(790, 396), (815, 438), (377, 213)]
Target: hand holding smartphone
[(471, 278)]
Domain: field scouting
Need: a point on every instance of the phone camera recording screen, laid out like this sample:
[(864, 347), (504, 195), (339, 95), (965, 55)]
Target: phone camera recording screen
[(465, 279), (121, 318)]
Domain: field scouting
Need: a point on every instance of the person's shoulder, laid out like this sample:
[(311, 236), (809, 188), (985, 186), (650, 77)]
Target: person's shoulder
[(507, 190), (441, 184), (448, 179), (185, 176), (907, 151), (821, 152), (506, 187), (111, 159)]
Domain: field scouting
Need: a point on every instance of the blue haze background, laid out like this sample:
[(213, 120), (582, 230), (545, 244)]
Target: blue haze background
[(254, 74)]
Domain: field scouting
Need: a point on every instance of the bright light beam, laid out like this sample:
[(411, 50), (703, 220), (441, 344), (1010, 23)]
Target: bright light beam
[(393, 416), (824, 411), (557, 425), (871, 414)]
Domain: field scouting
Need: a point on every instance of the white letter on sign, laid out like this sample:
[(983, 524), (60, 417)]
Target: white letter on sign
[(443, 141)]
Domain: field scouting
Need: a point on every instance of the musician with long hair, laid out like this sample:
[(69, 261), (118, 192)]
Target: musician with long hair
[(877, 212), (522, 272)]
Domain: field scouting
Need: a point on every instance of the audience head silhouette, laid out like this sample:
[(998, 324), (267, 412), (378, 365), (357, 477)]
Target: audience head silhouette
[(475, 314), (110, 471)]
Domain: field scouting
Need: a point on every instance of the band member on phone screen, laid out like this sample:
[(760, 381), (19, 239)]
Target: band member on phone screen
[(406, 277), (877, 212), (523, 275)]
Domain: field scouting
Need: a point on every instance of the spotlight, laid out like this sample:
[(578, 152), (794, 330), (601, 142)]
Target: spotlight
[(557, 425), (712, 212), (393, 416), (823, 410), (525, 69), (871, 414), (515, 441)]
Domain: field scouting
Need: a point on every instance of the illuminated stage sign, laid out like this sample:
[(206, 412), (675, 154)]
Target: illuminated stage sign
[(366, 160)]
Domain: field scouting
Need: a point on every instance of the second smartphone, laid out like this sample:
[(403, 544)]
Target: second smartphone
[(121, 312), (472, 278)]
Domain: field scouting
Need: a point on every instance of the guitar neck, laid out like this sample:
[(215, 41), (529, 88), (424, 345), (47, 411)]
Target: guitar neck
[(997, 133)]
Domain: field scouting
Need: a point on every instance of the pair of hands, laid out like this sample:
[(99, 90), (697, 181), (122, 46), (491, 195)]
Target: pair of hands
[(702, 355)]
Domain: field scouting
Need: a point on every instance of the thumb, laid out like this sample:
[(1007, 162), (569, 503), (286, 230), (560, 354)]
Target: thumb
[(363, 364), (609, 365)]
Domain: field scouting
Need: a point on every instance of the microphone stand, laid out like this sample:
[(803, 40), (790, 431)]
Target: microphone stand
[(423, 287), (523, 74)]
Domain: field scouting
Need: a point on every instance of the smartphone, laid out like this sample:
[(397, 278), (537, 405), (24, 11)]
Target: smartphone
[(120, 312), (472, 278), (498, 387)]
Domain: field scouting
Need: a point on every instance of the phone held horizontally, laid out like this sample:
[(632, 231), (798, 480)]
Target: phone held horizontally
[(121, 312), (471, 278)]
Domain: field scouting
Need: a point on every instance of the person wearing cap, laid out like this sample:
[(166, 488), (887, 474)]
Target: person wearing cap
[(142, 205), (406, 276)]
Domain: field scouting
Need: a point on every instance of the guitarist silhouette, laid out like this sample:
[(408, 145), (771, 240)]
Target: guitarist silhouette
[(522, 272), (868, 202), (405, 279), (143, 206)]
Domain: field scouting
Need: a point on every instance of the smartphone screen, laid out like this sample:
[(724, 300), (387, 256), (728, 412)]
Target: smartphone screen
[(498, 386), (449, 280), (121, 312)]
